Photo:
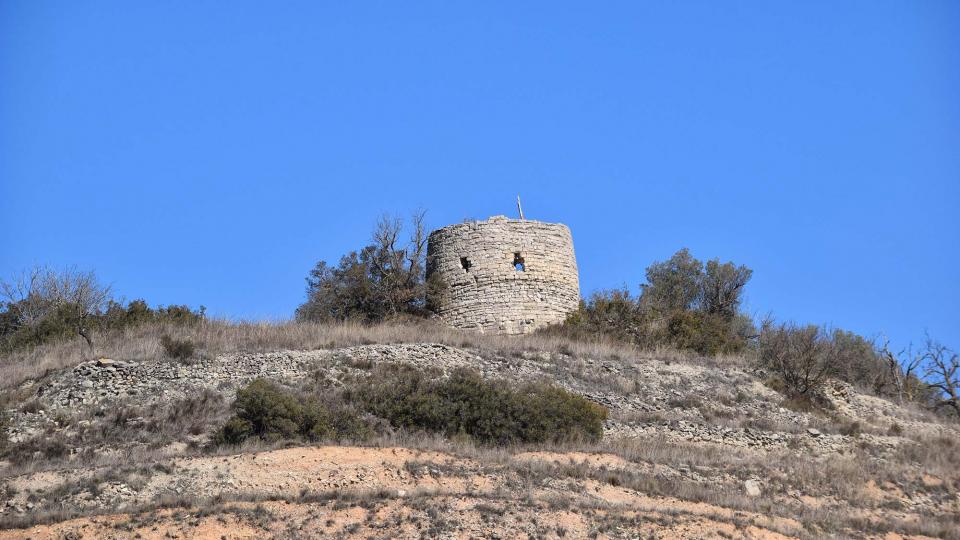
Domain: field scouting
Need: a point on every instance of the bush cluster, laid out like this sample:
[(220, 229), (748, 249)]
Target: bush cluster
[(138, 312), (268, 412), (684, 304), (463, 404), (15, 335), (490, 412), (61, 321), (801, 359), (383, 280)]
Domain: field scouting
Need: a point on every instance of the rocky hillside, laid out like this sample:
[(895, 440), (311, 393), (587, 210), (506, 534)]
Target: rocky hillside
[(692, 447)]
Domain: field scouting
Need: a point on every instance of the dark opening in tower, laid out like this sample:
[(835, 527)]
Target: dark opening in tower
[(518, 263), (465, 264)]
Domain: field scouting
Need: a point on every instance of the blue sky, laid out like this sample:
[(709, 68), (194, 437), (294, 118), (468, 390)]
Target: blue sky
[(210, 152)]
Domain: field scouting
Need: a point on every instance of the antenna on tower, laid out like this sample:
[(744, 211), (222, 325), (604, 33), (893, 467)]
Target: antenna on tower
[(520, 208)]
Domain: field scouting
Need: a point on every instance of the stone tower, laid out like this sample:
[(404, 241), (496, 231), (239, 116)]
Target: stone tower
[(502, 275)]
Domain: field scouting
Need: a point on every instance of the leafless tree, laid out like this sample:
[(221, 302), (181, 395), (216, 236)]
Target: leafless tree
[(27, 296), (802, 357), (39, 291), (942, 372), (398, 270), (902, 369)]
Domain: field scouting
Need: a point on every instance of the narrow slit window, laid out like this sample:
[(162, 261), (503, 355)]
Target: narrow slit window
[(518, 263), (465, 264)]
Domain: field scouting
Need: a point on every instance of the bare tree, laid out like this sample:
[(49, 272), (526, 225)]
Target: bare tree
[(85, 296), (802, 357), (943, 374), (398, 270), (902, 369), (26, 295), (37, 293)]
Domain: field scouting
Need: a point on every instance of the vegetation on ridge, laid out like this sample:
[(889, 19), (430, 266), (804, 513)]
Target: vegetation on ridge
[(384, 279), (684, 304), (42, 305), (490, 412)]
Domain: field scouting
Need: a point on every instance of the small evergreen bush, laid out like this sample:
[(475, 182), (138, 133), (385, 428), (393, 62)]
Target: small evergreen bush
[(268, 412), (490, 412), (684, 304)]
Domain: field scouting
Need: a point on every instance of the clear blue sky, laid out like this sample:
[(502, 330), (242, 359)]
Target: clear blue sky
[(211, 152)]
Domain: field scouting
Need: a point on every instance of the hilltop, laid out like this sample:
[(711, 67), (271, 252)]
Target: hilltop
[(692, 446)]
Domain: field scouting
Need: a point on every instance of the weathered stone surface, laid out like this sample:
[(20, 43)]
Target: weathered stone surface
[(503, 275)]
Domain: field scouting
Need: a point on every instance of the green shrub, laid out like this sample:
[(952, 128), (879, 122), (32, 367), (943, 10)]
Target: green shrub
[(268, 412), (490, 412), (383, 280), (180, 349), (706, 333), (64, 320), (612, 314), (684, 304), (550, 413), (58, 323), (137, 312)]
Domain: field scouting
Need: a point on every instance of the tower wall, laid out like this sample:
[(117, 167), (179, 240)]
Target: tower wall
[(486, 290)]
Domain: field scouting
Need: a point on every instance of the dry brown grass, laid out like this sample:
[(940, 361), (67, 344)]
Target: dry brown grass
[(215, 337), (838, 479)]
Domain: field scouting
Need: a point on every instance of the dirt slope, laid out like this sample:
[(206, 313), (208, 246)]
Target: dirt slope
[(397, 492), (694, 448)]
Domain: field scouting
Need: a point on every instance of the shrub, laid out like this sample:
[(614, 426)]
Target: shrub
[(801, 358), (58, 323), (137, 312), (48, 447), (684, 304), (705, 333), (44, 305), (550, 413), (382, 280), (674, 284), (180, 349), (268, 412), (606, 314), (490, 412), (76, 297)]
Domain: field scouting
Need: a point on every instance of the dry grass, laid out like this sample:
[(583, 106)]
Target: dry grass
[(840, 478), (718, 471), (215, 337)]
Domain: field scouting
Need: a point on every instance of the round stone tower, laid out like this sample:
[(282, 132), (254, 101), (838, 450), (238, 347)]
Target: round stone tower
[(502, 275)]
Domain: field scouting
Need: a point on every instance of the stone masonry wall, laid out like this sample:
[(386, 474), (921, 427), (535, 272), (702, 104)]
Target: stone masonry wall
[(503, 275)]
